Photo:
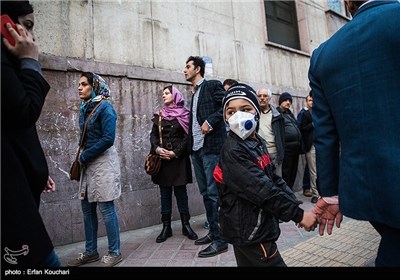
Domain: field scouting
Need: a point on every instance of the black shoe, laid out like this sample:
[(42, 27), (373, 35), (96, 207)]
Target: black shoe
[(204, 240), (314, 199), (213, 250)]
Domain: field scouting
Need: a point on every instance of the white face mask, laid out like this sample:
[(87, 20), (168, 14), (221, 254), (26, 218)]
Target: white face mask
[(242, 124)]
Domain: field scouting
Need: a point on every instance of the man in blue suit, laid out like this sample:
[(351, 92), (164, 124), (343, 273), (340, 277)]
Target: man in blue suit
[(355, 82)]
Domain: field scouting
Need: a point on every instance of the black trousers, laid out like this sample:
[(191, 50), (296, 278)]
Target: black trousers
[(389, 247), (289, 164), (306, 178), (180, 195), (260, 254)]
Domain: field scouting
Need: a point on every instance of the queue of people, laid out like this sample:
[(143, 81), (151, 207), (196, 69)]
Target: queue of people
[(244, 152)]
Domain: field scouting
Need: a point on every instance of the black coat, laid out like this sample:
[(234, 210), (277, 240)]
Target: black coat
[(24, 168), (306, 128), (177, 171), (252, 197)]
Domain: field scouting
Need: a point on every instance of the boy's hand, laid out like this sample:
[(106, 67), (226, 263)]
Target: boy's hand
[(309, 221)]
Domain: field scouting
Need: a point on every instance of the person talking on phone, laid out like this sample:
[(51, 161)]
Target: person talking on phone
[(24, 241)]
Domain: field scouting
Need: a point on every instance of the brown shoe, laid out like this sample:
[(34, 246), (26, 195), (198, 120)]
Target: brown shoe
[(84, 258), (307, 193)]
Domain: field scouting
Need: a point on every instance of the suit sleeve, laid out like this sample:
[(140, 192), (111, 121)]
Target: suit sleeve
[(218, 93), (326, 139)]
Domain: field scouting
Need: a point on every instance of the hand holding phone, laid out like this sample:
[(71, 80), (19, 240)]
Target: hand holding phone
[(4, 31), (26, 48)]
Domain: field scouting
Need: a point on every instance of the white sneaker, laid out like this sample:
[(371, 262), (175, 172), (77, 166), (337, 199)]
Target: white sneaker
[(110, 260)]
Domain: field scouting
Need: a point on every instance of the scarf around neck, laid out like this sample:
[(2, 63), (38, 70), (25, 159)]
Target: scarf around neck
[(177, 110), (100, 90)]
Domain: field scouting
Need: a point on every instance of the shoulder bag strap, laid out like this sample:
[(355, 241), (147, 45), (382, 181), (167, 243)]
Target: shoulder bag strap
[(84, 130)]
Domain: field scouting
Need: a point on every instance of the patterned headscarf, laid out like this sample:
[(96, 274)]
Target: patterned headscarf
[(100, 90)]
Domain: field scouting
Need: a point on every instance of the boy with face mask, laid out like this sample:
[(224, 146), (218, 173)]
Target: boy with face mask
[(252, 197)]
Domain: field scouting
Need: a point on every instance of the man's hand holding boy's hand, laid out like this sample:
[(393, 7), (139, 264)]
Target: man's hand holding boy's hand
[(309, 221), (329, 215)]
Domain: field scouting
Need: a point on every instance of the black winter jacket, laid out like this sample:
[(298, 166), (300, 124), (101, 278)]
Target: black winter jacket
[(251, 197), (306, 128), (24, 167)]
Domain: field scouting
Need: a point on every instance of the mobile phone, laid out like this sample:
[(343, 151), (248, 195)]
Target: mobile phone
[(4, 31)]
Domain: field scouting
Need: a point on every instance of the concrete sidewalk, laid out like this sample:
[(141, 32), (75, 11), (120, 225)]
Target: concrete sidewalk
[(353, 245)]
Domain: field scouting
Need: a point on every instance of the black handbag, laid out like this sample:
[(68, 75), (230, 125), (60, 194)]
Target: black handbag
[(152, 163)]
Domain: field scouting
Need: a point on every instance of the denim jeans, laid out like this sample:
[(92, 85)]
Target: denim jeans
[(90, 220), (51, 260), (204, 165), (181, 199)]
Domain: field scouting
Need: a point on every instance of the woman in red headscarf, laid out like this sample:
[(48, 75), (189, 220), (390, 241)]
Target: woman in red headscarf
[(176, 170)]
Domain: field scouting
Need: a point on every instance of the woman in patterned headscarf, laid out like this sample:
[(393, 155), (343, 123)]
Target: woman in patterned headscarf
[(100, 179)]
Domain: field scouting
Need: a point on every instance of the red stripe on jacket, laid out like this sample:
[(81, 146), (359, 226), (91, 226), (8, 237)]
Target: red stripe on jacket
[(218, 175), (262, 162)]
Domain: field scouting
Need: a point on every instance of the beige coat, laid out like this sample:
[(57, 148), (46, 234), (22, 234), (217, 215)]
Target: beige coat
[(101, 179)]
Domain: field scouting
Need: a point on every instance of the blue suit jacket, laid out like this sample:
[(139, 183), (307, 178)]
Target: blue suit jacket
[(355, 83)]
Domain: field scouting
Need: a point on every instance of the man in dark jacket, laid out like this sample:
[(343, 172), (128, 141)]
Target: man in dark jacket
[(207, 132), (354, 79), (305, 122), (272, 129), (293, 140)]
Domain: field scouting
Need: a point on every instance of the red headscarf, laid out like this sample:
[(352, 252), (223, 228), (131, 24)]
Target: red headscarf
[(177, 110)]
